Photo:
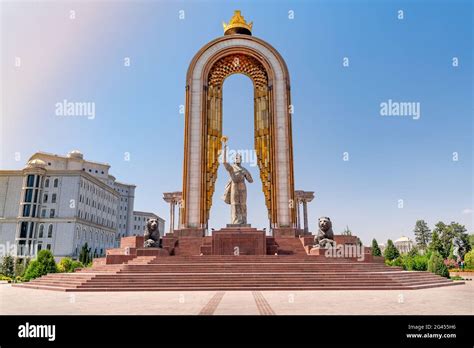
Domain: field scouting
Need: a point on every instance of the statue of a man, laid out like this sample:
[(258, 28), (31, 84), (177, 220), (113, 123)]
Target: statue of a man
[(235, 192)]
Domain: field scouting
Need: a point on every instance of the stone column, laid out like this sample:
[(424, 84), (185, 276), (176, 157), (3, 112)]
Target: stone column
[(298, 215), (305, 214), (173, 198), (171, 216)]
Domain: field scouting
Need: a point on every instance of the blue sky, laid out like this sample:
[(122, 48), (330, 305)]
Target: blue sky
[(337, 109)]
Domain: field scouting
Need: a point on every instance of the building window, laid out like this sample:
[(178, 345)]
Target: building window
[(56, 182), (23, 229), (48, 246), (43, 213), (50, 231), (51, 213), (32, 229), (28, 195), (46, 183), (26, 209), (45, 198), (40, 246), (30, 181), (53, 198), (41, 231)]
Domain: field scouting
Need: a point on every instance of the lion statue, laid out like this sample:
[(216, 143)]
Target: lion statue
[(152, 234), (325, 236)]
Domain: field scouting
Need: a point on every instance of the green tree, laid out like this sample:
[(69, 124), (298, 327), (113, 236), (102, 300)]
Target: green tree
[(42, 265), (413, 252), (435, 245), (436, 265), (8, 266), (85, 255), (441, 230), (461, 232), (422, 234), (471, 241), (391, 252), (447, 233), (375, 248)]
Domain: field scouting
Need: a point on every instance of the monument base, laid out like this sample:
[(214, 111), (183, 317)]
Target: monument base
[(285, 232), (189, 232), (130, 248), (237, 225), (239, 241)]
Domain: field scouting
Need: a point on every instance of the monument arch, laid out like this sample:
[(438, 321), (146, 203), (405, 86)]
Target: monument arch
[(237, 52)]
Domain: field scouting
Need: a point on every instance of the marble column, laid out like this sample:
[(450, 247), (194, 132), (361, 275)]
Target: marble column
[(173, 198), (305, 214)]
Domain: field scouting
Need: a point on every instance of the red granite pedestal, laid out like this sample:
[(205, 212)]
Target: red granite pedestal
[(130, 248), (239, 241)]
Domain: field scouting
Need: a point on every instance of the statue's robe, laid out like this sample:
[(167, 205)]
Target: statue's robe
[(235, 192)]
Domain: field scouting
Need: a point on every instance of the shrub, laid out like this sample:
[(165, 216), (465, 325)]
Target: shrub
[(391, 252), (85, 254), (407, 262), (420, 263), (3, 277), (469, 260), (450, 263), (436, 265), (7, 267), (398, 262), (33, 271), (375, 248), (68, 265), (43, 264), (21, 266), (414, 263)]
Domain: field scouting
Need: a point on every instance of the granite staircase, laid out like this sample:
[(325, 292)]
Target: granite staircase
[(269, 272)]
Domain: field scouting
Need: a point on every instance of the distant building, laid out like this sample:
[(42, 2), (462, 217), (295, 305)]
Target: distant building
[(62, 202), (140, 219), (382, 247), (403, 244), (125, 208)]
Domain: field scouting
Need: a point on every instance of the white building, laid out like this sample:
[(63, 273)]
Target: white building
[(140, 219), (62, 202), (125, 209), (403, 244)]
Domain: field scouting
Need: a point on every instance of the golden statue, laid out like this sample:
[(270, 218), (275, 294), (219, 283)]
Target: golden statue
[(235, 192)]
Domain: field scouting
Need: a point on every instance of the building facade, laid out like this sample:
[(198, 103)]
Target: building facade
[(61, 203), (141, 218), (403, 244)]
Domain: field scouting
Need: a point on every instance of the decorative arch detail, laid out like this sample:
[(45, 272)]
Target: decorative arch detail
[(203, 130)]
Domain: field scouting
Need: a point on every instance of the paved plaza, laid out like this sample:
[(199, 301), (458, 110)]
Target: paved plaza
[(448, 300)]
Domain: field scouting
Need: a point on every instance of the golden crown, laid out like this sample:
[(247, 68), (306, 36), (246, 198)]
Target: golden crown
[(237, 21)]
